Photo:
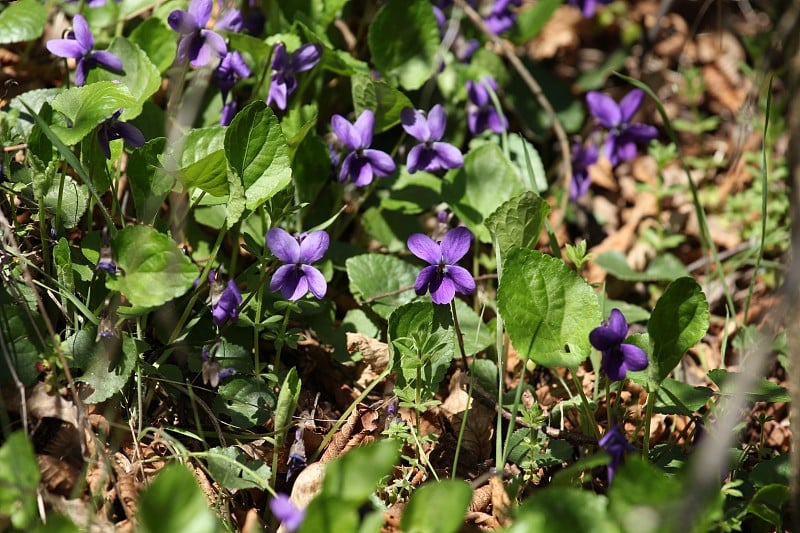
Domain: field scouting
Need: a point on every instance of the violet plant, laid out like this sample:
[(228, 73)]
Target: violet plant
[(431, 154), (79, 45), (491, 314)]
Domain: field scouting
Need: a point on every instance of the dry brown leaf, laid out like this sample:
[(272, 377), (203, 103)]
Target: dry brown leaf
[(476, 445), (58, 476), (501, 503), (481, 499), (558, 35), (41, 404), (374, 352), (126, 485)]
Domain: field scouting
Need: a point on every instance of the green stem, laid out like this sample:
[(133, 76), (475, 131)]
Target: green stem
[(651, 402), (460, 341), (276, 366), (203, 275), (513, 422), (590, 420)]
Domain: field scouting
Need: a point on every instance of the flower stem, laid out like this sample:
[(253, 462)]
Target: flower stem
[(280, 342), (460, 341), (651, 403), (590, 420)]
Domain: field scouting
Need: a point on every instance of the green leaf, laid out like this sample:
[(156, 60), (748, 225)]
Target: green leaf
[(412, 194), (157, 41), (633, 313), (247, 401), (643, 498), (548, 309), (296, 125), (437, 507), (19, 479), (233, 469), (148, 180), (287, 402), (404, 40), (354, 476), (329, 514), (531, 21), (22, 21), (374, 274), (74, 200), (679, 320), (775, 470), (139, 75), (62, 257), (256, 148), (202, 161), (174, 502), (422, 340), (562, 509), (154, 268), (519, 221), (764, 391), (665, 267), (475, 191), (18, 326), (678, 398), (477, 335), (383, 99), (86, 107), (107, 365), (767, 504), (35, 99)]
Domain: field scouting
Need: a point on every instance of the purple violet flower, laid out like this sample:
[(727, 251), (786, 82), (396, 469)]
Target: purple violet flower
[(431, 154), (443, 277), (285, 66), (582, 159), (623, 137), (78, 45), (231, 69), (213, 372), (362, 162), (297, 276), (197, 44), (231, 20), (615, 443), (618, 357), (112, 129), (501, 17), (225, 300), (297, 455), (481, 113), (287, 512), (588, 7)]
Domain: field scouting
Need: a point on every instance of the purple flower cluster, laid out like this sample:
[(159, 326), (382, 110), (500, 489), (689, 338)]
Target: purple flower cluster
[(623, 137), (231, 69), (481, 112), (297, 277), (582, 159), (198, 44), (431, 154), (213, 372), (443, 277), (618, 357), (363, 162), (284, 68), (502, 16), (79, 45), (225, 300), (615, 443), (112, 129), (289, 515)]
